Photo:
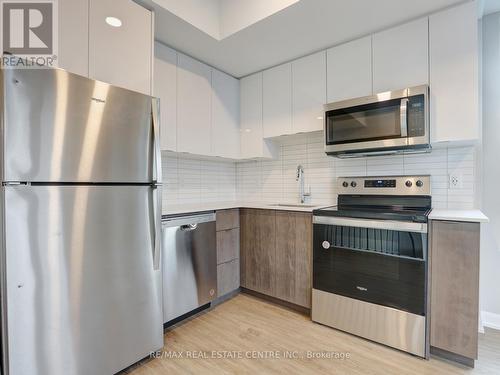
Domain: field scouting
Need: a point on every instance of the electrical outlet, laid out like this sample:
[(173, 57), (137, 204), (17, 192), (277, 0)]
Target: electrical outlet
[(455, 181)]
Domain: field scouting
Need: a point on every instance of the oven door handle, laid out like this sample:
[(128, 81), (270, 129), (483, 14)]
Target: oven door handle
[(401, 226)]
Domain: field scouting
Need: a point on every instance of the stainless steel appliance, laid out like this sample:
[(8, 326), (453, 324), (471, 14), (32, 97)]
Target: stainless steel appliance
[(370, 261), (189, 263), (80, 225), (384, 123)]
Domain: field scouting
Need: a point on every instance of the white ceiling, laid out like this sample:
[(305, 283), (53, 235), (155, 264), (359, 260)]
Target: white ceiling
[(302, 28), (222, 18)]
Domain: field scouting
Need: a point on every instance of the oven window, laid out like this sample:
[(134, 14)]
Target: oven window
[(373, 265), (389, 242), (364, 123)]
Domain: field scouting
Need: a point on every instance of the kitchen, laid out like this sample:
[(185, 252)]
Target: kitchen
[(245, 186)]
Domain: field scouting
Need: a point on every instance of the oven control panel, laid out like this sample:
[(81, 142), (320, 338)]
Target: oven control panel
[(380, 183), (392, 185)]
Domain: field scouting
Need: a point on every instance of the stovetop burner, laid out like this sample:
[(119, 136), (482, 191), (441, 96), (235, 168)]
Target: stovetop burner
[(376, 213), (400, 200)]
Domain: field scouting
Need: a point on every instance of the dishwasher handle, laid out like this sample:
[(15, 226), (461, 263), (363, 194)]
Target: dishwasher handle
[(189, 220), (189, 227)]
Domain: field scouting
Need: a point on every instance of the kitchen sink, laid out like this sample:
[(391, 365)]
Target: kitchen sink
[(293, 205)]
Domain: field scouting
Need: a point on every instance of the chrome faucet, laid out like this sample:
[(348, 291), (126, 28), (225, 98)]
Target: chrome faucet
[(300, 178)]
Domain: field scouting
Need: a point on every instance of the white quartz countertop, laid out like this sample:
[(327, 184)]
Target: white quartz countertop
[(474, 216), (214, 206)]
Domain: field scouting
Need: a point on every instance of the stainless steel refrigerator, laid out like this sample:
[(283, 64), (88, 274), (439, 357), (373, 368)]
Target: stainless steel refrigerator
[(80, 225)]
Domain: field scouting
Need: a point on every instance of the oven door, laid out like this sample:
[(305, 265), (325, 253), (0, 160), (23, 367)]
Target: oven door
[(387, 121), (381, 262)]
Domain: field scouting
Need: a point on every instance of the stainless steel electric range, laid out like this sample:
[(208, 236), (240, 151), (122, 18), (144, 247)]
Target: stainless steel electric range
[(370, 260)]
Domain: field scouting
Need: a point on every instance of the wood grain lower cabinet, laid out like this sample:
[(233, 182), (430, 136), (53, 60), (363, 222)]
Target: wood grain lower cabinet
[(228, 277), (294, 257), (228, 219), (276, 254), (228, 251), (258, 250), (454, 307), (228, 245)]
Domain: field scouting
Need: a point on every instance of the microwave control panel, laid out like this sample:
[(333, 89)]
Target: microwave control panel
[(416, 116)]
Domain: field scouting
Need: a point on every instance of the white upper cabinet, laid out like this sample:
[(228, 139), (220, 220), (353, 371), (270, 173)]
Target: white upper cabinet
[(73, 36), (165, 88), (400, 57), (252, 132), (194, 91), (225, 115), (454, 74), (309, 92), (277, 101), (121, 55), (349, 70)]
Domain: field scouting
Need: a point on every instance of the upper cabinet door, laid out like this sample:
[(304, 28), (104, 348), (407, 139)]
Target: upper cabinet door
[(309, 92), (251, 116), (194, 91), (400, 57), (349, 70), (225, 115), (454, 74), (121, 55), (74, 36), (277, 101), (252, 132), (165, 88)]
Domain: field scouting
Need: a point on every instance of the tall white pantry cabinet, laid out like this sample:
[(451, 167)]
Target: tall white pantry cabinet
[(89, 46)]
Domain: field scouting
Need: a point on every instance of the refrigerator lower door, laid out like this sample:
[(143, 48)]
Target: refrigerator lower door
[(83, 292)]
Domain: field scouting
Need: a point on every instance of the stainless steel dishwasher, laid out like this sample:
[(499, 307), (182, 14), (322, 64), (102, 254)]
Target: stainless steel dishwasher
[(189, 263)]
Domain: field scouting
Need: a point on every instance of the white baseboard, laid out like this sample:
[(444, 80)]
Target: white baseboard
[(490, 320)]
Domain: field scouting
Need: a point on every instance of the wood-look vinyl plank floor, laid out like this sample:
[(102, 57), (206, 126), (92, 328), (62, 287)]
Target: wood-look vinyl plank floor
[(246, 326)]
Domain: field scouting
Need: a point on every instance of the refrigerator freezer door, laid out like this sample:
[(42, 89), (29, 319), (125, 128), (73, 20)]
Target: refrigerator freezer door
[(83, 295), (61, 127)]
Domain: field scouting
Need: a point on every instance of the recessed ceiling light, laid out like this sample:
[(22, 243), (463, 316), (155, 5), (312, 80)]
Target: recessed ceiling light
[(319, 118), (113, 21)]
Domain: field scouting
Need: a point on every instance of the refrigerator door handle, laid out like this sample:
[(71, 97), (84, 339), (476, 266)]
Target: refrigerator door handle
[(155, 115), (157, 178), (156, 226)]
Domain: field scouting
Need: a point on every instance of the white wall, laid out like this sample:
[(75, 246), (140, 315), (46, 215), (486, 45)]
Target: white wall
[(202, 14), (221, 18), (236, 15), (490, 249), (273, 181)]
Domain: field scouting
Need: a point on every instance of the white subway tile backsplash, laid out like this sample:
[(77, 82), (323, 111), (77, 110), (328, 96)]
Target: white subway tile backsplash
[(191, 180), (321, 172)]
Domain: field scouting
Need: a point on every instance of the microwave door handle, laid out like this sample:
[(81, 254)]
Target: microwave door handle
[(404, 117)]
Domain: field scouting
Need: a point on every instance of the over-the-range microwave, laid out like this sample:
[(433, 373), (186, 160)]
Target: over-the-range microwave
[(385, 123)]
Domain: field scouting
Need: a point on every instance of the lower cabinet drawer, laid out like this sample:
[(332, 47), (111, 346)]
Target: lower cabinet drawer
[(228, 219), (228, 245), (228, 277)]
